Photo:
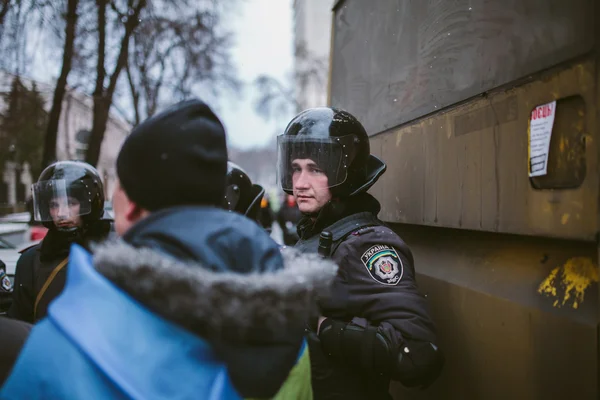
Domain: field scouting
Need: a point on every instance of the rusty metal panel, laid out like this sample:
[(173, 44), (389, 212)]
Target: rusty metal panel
[(397, 60), (467, 167), (502, 336)]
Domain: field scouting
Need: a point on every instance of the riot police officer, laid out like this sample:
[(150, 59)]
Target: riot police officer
[(68, 199), (241, 195), (375, 326)]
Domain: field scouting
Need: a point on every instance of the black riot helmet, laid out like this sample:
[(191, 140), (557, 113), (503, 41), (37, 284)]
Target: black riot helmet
[(337, 143), (64, 184), (241, 195)]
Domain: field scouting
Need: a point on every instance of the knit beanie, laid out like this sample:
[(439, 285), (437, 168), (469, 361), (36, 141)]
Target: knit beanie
[(177, 157)]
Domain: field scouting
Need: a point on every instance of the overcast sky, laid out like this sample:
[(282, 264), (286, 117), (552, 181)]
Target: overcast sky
[(263, 44), (263, 32)]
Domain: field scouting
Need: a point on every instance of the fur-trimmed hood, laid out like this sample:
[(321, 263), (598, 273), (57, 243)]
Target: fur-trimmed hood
[(230, 306), (222, 278)]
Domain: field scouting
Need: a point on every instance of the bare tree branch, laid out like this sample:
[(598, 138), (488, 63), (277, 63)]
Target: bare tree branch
[(61, 85), (179, 51), (277, 98), (4, 7), (103, 102), (135, 95)]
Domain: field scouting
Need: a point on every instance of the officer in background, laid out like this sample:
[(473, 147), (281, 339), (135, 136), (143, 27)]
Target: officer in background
[(68, 199), (266, 216), (287, 218), (375, 326), (241, 195)]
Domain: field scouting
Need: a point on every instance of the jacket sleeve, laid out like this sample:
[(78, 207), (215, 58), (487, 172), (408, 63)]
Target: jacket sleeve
[(23, 288), (377, 278), (378, 319)]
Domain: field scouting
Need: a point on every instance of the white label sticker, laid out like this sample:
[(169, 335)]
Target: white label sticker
[(540, 132)]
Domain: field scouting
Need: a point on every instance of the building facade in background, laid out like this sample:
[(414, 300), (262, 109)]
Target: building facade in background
[(312, 34), (72, 142)]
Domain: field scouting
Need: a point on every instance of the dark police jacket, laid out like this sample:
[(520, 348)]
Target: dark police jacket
[(13, 334), (40, 273), (375, 287)]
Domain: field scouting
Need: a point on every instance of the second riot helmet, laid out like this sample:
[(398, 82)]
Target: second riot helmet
[(241, 195)]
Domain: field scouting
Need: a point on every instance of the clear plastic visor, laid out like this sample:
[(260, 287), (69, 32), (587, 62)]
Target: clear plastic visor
[(56, 200), (305, 158)]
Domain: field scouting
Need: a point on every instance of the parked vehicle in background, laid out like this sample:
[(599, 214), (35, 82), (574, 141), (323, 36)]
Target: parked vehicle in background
[(15, 235), (33, 232), (11, 242)]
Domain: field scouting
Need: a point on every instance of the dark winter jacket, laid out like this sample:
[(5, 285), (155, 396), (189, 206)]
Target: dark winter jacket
[(37, 264), (12, 337), (375, 286), (194, 302)]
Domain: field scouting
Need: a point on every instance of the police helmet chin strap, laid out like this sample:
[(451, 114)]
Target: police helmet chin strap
[(67, 230)]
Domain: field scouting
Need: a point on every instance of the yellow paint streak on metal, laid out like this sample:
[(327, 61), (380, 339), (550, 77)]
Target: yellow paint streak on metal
[(569, 282), (547, 207), (562, 145), (399, 138)]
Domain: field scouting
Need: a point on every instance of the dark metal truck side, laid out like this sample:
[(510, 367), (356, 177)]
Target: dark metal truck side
[(509, 262)]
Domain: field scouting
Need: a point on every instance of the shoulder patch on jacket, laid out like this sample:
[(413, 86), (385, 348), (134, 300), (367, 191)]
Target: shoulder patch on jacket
[(384, 264), (5, 281)]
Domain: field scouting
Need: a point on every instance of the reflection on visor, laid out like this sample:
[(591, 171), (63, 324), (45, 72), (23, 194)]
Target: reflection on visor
[(331, 155), (56, 200), (232, 197)]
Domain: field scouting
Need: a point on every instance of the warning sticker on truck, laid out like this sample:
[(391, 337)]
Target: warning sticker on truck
[(540, 132)]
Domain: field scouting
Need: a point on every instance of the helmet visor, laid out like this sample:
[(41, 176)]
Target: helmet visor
[(304, 157), (57, 199)]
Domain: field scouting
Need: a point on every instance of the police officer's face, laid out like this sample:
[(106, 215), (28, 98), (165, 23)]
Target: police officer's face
[(65, 212), (310, 185)]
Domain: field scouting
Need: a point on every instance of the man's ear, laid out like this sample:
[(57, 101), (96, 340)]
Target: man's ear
[(134, 212)]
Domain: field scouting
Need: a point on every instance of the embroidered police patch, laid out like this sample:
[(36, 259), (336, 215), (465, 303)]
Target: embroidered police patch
[(5, 282), (384, 264)]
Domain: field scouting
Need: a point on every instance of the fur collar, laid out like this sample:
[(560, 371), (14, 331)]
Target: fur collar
[(226, 306)]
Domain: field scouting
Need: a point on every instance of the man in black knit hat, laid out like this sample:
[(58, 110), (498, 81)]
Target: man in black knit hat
[(192, 302)]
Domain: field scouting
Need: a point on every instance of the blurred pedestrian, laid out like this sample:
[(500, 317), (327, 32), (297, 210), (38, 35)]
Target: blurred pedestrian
[(266, 216), (288, 217)]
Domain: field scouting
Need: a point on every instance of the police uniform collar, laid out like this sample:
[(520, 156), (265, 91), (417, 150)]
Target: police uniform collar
[(336, 210)]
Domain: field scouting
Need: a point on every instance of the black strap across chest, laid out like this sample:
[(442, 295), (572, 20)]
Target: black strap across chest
[(340, 230)]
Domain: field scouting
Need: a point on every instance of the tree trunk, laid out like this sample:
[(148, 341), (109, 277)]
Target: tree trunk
[(61, 86), (135, 96), (4, 10), (102, 103)]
